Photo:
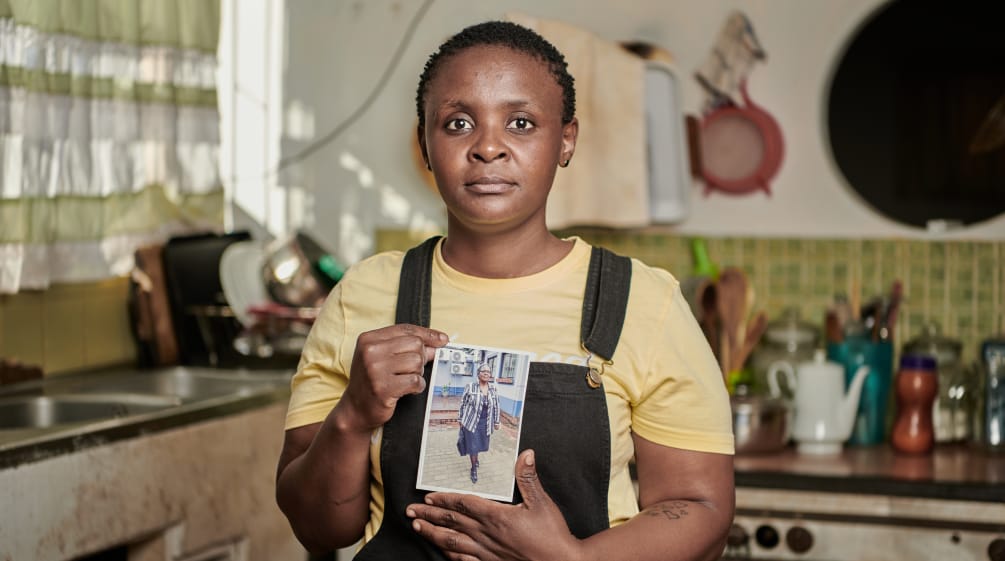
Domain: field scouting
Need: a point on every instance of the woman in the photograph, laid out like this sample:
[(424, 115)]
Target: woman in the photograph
[(478, 417)]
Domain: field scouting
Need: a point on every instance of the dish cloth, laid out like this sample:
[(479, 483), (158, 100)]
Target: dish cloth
[(606, 183)]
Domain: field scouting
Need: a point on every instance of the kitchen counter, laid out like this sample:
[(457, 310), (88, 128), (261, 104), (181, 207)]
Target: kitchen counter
[(184, 470), (955, 472), (138, 402)]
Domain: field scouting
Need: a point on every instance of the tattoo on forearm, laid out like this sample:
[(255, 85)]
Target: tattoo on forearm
[(349, 499), (671, 510)]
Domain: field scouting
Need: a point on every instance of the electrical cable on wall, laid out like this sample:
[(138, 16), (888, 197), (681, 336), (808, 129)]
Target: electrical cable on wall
[(341, 127), (313, 147)]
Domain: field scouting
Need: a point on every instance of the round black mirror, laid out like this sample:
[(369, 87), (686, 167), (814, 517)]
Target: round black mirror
[(916, 111)]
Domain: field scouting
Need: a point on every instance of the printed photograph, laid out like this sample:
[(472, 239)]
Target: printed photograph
[(471, 436)]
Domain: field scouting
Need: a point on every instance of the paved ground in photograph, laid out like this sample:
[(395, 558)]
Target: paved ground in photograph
[(444, 467)]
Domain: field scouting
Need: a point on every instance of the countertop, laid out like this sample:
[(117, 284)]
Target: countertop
[(194, 393), (952, 471)]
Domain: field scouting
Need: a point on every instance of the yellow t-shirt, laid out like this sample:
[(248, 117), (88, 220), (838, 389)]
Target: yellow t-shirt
[(664, 383)]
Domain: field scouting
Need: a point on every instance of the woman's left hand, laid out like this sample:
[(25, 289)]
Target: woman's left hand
[(469, 527)]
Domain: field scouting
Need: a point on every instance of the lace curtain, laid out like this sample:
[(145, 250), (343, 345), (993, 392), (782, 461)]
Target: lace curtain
[(109, 134)]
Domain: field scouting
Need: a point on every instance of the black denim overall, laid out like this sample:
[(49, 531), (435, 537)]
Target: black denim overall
[(565, 420)]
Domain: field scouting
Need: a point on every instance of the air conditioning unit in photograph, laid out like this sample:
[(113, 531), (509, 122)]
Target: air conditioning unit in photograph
[(457, 368), (458, 356)]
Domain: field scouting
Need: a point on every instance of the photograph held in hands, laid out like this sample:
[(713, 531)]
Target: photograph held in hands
[(471, 432)]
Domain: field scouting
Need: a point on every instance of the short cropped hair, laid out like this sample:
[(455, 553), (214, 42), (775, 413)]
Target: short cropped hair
[(504, 34)]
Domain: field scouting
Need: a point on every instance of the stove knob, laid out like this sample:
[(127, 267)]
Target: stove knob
[(737, 536), (767, 536), (799, 539), (996, 550)]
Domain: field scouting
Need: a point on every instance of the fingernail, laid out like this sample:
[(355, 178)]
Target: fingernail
[(428, 501), (415, 525), (529, 458), (443, 337), (410, 513)]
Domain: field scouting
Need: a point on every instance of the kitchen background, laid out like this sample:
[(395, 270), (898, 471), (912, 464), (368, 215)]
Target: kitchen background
[(291, 75), (316, 134)]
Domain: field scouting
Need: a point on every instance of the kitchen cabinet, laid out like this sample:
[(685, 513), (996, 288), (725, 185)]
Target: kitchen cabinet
[(870, 504)]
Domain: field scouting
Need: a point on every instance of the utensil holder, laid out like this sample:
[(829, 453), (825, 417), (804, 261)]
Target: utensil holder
[(871, 421)]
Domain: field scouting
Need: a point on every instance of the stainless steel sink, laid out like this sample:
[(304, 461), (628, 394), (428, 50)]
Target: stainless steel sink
[(67, 413), (185, 383), (41, 411)]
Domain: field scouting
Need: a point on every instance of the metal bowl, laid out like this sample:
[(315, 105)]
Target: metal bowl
[(292, 273), (760, 424)]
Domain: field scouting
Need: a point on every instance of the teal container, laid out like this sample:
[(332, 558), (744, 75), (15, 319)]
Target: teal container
[(870, 425)]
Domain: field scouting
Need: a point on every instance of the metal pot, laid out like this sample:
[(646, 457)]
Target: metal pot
[(760, 424), (298, 272)]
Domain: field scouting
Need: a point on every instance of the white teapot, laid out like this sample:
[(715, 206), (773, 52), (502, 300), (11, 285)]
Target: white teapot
[(824, 413)]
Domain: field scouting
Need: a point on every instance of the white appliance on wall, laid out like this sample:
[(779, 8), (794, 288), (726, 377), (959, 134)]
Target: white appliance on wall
[(669, 166)]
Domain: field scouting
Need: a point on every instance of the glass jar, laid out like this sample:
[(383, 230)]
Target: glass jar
[(786, 338), (989, 417), (953, 407)]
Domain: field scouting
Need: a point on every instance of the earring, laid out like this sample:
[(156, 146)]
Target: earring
[(429, 167), (565, 164)]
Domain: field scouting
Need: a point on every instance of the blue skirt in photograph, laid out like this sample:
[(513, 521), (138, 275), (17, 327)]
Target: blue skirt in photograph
[(477, 441)]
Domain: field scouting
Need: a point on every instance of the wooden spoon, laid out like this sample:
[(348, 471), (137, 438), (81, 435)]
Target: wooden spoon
[(710, 317), (732, 306), (755, 330)]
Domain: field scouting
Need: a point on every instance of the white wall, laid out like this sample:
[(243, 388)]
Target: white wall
[(331, 54)]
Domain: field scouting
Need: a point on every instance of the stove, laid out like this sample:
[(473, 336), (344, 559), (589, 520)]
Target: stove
[(782, 524)]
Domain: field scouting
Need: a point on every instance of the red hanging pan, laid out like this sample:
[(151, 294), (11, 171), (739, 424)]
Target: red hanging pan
[(741, 147)]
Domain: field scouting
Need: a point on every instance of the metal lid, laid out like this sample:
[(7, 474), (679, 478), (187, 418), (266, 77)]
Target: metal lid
[(931, 342), (921, 362), (790, 331)]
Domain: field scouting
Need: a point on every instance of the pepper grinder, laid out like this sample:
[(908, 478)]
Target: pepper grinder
[(953, 404), (916, 386)]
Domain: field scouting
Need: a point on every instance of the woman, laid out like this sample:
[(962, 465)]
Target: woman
[(478, 417), (621, 370)]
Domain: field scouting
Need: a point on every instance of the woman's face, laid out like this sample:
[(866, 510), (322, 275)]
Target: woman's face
[(484, 375), (494, 137)]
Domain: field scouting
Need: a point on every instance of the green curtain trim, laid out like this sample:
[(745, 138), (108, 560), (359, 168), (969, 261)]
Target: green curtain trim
[(73, 218), (190, 24), (104, 88)]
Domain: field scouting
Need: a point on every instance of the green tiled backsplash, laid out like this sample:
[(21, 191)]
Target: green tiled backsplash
[(958, 284), (68, 327)]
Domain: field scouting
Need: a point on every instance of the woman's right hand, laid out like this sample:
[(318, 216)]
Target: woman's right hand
[(388, 364)]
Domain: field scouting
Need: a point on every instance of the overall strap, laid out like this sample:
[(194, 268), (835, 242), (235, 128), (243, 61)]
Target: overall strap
[(415, 284), (605, 301)]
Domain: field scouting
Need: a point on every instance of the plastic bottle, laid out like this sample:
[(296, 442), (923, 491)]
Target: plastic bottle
[(916, 385)]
